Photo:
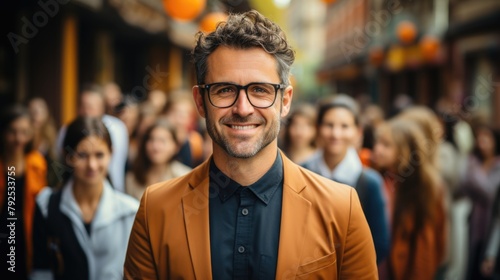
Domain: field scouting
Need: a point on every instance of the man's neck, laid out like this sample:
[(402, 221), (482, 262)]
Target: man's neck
[(246, 171)]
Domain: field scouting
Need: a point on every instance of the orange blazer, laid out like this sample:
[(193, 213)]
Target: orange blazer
[(35, 179), (323, 234)]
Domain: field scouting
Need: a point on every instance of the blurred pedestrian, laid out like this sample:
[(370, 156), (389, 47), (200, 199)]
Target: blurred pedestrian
[(44, 130), (480, 183), (92, 104), (418, 218), (370, 118), (113, 96), (299, 140), (490, 266), (24, 174), (180, 112), (44, 135), (444, 159), (458, 141), (155, 160), (337, 159), (158, 99), (82, 229), (129, 114)]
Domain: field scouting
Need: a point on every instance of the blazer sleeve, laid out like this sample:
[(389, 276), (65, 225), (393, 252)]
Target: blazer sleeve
[(139, 261), (359, 259)]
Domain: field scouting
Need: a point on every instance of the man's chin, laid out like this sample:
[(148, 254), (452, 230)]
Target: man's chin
[(241, 154)]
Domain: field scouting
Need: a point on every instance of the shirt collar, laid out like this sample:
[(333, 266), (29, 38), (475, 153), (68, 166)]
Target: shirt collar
[(264, 188), (267, 185)]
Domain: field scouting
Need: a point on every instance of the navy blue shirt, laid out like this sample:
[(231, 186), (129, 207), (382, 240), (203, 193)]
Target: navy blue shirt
[(245, 224)]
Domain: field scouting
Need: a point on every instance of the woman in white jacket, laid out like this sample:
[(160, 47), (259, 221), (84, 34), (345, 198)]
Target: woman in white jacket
[(81, 231)]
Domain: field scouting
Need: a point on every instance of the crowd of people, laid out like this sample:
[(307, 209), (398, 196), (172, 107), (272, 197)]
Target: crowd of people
[(410, 171), (77, 191)]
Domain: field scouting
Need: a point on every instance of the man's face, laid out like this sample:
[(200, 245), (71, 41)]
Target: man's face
[(242, 131)]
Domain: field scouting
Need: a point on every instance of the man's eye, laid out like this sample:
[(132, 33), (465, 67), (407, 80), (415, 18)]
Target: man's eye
[(225, 90), (258, 89)]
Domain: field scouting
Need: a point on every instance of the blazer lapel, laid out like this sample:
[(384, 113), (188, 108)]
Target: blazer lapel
[(294, 213), (196, 221)]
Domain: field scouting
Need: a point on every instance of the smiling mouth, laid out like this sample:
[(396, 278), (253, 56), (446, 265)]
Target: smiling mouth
[(242, 127)]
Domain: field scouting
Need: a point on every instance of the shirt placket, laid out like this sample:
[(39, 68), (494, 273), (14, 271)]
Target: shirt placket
[(243, 246)]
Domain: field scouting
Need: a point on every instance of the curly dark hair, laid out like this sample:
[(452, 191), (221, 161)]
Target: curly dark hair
[(245, 31)]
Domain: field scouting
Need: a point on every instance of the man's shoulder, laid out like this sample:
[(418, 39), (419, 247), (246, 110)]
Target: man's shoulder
[(172, 190), (329, 201)]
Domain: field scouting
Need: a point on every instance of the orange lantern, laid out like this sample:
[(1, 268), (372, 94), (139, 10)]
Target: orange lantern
[(430, 48), (413, 56), (407, 32), (395, 58), (184, 10), (210, 21), (376, 56)]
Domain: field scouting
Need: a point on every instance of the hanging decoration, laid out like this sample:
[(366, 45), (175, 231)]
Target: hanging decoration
[(184, 10), (210, 21), (407, 32), (429, 47), (376, 56), (395, 58)]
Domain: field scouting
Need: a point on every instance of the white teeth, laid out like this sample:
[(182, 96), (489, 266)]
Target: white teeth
[(243, 127)]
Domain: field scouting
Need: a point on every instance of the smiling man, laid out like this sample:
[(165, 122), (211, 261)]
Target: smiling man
[(248, 212)]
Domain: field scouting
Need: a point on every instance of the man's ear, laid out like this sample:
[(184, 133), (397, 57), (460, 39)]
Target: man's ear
[(198, 101), (286, 102)]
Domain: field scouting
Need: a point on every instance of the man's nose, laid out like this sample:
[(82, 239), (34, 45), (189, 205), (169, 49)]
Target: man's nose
[(242, 107)]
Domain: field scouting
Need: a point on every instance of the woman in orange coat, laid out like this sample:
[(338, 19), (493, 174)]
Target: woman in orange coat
[(23, 176), (418, 216)]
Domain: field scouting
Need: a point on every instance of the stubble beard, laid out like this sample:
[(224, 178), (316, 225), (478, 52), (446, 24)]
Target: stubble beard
[(237, 149)]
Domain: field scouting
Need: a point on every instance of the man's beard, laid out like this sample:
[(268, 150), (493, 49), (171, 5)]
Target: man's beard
[(249, 149)]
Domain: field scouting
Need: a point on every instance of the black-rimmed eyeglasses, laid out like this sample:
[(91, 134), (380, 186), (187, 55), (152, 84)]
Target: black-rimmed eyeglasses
[(260, 95)]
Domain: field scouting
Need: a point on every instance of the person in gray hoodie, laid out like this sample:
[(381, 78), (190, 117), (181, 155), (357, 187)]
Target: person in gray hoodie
[(81, 231)]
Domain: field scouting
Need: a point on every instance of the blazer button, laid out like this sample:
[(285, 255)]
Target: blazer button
[(241, 249), (244, 211)]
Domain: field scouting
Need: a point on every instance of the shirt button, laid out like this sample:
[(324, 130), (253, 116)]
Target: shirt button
[(241, 249), (244, 211)]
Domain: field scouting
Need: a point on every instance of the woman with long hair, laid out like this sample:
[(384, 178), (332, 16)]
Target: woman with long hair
[(23, 175), (337, 159), (81, 230), (44, 134), (418, 218), (446, 161), (155, 160), (300, 133)]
